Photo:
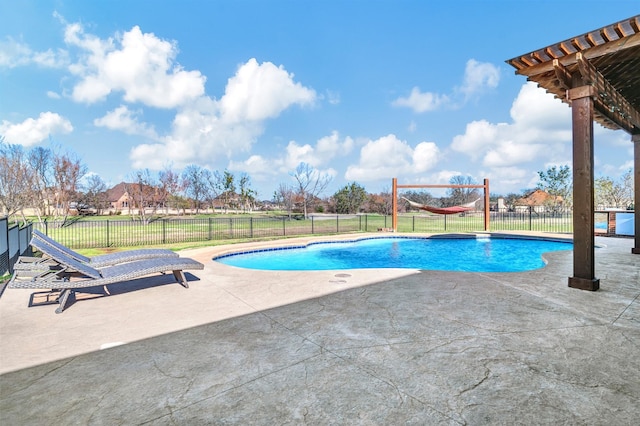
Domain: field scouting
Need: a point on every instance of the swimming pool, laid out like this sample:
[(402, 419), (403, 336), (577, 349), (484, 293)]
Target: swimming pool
[(476, 254)]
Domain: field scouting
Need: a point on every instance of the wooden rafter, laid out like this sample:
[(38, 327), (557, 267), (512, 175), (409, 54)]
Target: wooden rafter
[(609, 101)]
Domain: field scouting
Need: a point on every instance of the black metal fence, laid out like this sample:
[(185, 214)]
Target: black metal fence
[(14, 241), (128, 232)]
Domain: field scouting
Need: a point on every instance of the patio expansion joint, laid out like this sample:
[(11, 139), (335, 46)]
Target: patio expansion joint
[(625, 309), (63, 364)]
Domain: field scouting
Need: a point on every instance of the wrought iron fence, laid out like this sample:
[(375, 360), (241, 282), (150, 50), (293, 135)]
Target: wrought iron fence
[(14, 242), (124, 233)]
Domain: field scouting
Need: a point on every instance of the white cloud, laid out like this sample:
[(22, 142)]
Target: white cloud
[(421, 102), (15, 54), (256, 165), (125, 120), (333, 97), (140, 65), (206, 131), (541, 130), (326, 149), (388, 157), (261, 91), (479, 76), (33, 131), (53, 95)]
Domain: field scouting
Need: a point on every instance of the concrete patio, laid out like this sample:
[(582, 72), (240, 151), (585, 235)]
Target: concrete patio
[(331, 347)]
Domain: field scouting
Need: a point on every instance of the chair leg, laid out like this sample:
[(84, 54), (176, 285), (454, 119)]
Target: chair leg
[(181, 278), (62, 300)]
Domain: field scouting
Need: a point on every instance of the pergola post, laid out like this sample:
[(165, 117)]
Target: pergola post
[(583, 194), (636, 182)]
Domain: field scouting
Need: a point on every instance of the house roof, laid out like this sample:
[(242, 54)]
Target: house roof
[(537, 198), (607, 59), (115, 193)]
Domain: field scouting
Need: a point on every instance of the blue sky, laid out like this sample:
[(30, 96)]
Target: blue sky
[(362, 90)]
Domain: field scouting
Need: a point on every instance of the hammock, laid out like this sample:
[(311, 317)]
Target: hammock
[(443, 210)]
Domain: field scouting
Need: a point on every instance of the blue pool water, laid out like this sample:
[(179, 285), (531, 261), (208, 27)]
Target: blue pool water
[(443, 254)]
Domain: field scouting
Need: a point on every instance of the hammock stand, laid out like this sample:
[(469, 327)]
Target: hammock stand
[(445, 210)]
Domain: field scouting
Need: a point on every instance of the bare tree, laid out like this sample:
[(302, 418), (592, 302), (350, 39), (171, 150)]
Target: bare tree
[(215, 187), (168, 188), (40, 161), (194, 179), (67, 172), (14, 179), (422, 197), (311, 183), (94, 194), (143, 192), (458, 196), (380, 203), (285, 195)]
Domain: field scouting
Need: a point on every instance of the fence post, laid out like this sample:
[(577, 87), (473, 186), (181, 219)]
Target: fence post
[(337, 223), (164, 231), (108, 244), (530, 219), (251, 227), (445, 221), (413, 224), (209, 229), (312, 225), (284, 227)]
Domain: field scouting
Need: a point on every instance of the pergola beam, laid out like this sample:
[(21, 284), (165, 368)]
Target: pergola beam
[(570, 59), (609, 101)]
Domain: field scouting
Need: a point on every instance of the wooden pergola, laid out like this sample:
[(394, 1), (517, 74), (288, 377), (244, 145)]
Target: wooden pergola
[(598, 75)]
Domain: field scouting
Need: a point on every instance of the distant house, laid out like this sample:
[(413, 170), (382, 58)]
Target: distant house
[(119, 197), (538, 200)]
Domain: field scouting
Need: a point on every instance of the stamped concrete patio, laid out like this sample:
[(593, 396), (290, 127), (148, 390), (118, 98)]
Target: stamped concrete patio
[(332, 347)]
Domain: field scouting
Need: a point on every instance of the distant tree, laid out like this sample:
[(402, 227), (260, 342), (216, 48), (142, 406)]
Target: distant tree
[(510, 200), (215, 187), (67, 172), (15, 185), (422, 197), (285, 196), (557, 181), (94, 193), (310, 184), (459, 196), (41, 163), (349, 199), (247, 195), (169, 187), (228, 189), (609, 193), (380, 203), (194, 180)]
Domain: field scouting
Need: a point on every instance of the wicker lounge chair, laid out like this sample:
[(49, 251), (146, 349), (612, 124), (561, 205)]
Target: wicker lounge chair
[(68, 274), (43, 243)]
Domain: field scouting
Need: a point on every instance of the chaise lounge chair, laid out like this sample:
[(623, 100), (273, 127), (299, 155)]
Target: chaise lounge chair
[(42, 243), (68, 274)]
